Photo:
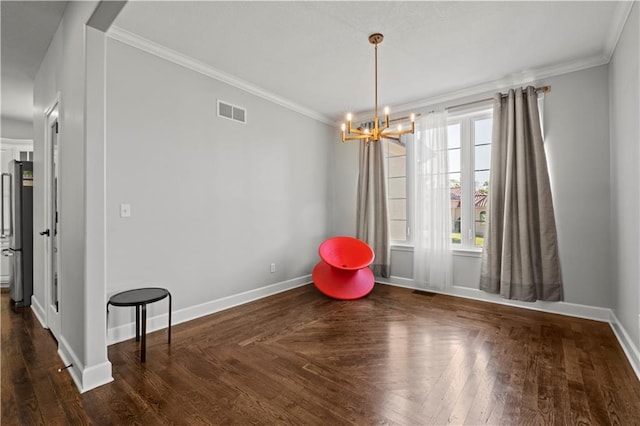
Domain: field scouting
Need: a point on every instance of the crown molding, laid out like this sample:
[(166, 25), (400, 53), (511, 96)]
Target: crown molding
[(11, 141), (512, 80), (163, 52), (623, 10)]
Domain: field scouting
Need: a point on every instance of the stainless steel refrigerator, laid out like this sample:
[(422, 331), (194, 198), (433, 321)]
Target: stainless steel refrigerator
[(17, 225)]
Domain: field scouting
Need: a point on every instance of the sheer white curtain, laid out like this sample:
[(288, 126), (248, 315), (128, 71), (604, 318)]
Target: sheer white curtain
[(432, 232)]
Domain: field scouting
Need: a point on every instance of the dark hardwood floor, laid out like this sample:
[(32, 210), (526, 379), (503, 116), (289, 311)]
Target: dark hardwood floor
[(395, 357)]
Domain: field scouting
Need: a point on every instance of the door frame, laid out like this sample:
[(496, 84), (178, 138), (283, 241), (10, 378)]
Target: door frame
[(51, 116)]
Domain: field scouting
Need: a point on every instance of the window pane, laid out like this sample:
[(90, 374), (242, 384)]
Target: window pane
[(398, 230), (397, 166), (395, 156), (483, 157), (397, 187), (395, 149), (454, 160), (398, 209), (453, 135), (455, 197), (481, 201), (482, 130), (454, 180), (481, 181)]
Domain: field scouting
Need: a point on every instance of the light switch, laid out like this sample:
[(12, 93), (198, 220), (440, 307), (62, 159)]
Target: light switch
[(125, 210)]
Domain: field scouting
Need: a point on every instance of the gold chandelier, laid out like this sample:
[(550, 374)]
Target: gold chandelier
[(376, 133)]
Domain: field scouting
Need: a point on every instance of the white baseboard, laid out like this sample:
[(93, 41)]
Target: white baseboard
[(96, 375), (629, 348), (68, 356), (158, 322), (39, 312), (562, 308), (85, 378)]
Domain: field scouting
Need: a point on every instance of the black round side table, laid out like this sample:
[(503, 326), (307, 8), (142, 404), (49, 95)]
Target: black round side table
[(139, 298)]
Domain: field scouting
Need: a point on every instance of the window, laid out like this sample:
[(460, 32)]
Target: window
[(395, 154), (469, 145), (469, 149)]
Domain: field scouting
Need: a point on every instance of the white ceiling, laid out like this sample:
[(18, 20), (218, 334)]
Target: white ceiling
[(317, 54), (27, 28)]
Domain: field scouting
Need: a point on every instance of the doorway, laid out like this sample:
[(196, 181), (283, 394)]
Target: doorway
[(52, 216)]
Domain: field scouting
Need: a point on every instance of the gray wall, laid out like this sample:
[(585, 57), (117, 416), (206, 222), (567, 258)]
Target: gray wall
[(213, 202), (625, 178), (577, 132)]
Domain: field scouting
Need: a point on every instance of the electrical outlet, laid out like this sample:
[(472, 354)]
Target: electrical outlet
[(125, 210), (273, 268)]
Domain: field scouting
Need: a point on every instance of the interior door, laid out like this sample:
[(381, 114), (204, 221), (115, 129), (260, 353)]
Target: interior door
[(52, 282)]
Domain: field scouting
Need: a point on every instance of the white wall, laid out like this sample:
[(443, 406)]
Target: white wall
[(213, 202), (624, 75), (46, 86), (577, 133), (12, 128), (63, 72)]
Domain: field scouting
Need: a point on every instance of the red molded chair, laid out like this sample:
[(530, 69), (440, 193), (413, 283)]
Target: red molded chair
[(343, 272)]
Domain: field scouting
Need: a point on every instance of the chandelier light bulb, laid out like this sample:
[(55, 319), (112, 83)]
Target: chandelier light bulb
[(343, 127), (349, 117), (413, 118), (386, 110)]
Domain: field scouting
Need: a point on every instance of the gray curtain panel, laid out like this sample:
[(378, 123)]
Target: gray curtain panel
[(520, 258), (372, 210)]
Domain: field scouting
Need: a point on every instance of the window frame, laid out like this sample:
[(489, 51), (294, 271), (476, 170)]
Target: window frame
[(409, 167), (466, 118)]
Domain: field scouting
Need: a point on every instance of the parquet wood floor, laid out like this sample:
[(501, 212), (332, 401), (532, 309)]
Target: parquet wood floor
[(395, 357)]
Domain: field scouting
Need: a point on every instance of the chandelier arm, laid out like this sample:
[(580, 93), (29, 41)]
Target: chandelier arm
[(397, 132), (410, 130), (353, 138), (360, 132)]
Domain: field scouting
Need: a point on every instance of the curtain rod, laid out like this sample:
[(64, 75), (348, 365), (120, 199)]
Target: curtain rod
[(404, 118), (395, 119), (542, 89)]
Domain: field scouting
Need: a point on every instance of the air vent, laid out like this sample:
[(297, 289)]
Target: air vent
[(232, 112)]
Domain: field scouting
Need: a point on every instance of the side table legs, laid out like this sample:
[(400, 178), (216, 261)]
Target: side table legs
[(143, 348), (169, 340), (137, 323)]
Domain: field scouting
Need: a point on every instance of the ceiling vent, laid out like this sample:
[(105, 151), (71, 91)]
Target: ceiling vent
[(232, 112)]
